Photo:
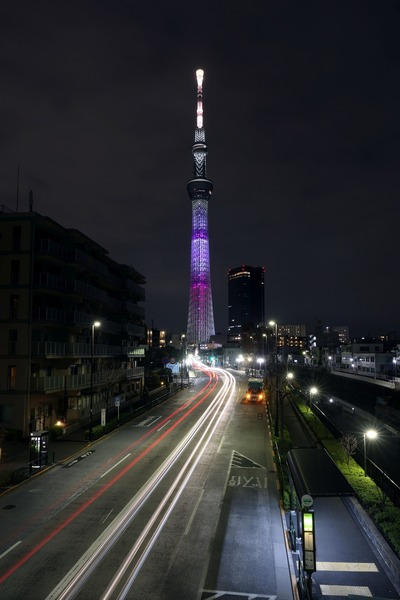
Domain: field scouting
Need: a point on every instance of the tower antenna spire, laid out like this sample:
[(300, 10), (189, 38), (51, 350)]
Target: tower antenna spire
[(199, 77), (201, 315)]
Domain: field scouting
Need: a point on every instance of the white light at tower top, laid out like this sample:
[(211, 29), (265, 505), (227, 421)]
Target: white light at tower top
[(199, 76), (199, 114)]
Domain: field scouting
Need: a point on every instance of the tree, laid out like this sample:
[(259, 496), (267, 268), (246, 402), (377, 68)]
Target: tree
[(349, 445), (112, 375)]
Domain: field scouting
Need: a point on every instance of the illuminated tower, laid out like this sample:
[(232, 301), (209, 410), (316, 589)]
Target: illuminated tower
[(201, 316)]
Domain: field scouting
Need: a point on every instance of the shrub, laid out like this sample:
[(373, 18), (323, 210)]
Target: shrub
[(381, 510)]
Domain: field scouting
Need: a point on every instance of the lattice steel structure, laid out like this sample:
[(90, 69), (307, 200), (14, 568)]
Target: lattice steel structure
[(201, 315)]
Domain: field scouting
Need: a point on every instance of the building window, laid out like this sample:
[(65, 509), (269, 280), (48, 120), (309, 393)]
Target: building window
[(5, 413), (11, 377), (12, 341), (14, 305), (15, 272), (16, 238)]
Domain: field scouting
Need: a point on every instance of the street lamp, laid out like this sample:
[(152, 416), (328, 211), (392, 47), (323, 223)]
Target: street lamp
[(94, 324), (183, 356), (239, 360), (371, 434), (276, 392), (275, 325), (313, 391)]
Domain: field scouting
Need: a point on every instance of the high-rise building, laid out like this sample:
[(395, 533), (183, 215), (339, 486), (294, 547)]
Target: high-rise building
[(246, 304), (71, 325), (200, 325)]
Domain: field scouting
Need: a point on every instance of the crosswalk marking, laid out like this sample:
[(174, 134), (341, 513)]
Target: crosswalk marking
[(347, 566), (345, 590)]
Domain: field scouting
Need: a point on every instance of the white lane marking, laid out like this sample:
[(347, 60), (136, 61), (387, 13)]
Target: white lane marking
[(106, 517), (11, 548), (165, 424), (148, 421), (188, 526), (116, 465)]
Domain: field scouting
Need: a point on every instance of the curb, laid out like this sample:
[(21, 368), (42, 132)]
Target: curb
[(390, 560)]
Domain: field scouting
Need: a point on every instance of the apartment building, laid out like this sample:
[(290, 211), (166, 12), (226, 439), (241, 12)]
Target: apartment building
[(71, 325)]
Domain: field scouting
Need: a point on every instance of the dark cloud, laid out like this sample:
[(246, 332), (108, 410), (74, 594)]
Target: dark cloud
[(301, 116)]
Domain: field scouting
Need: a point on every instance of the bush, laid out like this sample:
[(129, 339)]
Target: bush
[(55, 432), (385, 515), (13, 435)]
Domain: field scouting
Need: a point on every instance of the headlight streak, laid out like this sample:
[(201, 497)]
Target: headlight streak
[(196, 454), (99, 493), (70, 585), (53, 509)]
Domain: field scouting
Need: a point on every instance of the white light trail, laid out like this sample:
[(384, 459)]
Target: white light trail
[(74, 580)]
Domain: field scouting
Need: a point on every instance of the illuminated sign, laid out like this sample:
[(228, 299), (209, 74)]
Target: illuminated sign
[(309, 561)]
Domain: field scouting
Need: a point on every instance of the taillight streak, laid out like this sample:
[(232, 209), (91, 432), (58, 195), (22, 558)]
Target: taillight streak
[(116, 478)]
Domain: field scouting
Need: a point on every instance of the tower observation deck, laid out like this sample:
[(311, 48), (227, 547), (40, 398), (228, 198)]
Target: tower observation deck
[(201, 315)]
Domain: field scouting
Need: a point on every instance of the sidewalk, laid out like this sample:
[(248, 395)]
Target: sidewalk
[(15, 466)]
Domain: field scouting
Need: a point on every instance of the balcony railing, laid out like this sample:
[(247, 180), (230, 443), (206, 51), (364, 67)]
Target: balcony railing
[(74, 350), (56, 383)]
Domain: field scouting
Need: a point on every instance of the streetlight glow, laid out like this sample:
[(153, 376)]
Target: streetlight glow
[(94, 325), (371, 434)]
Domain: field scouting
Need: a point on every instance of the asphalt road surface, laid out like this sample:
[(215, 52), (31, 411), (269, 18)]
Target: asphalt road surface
[(180, 503)]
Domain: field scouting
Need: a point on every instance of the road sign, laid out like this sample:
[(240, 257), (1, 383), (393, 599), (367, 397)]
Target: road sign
[(309, 561), (307, 501)]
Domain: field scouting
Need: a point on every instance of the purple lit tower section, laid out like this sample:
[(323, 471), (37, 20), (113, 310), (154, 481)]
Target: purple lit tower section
[(201, 316)]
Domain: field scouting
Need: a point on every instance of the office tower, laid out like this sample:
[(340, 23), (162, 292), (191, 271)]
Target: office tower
[(245, 301), (201, 316)]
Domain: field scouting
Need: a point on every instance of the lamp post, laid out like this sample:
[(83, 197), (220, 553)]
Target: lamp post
[(276, 400), (94, 324), (313, 391), (260, 362), (371, 434), (284, 390)]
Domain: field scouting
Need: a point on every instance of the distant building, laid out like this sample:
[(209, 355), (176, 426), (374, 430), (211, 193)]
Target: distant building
[(367, 359), (246, 301), (71, 325), (292, 331), (292, 339), (342, 332)]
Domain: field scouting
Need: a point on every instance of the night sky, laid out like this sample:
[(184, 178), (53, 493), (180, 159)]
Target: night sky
[(301, 100)]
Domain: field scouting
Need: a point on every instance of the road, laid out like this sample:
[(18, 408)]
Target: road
[(148, 513)]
